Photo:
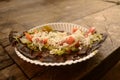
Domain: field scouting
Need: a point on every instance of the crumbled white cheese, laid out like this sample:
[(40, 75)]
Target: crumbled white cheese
[(55, 38)]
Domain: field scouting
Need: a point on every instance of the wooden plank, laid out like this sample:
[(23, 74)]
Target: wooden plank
[(114, 73), (105, 21), (8, 26), (29, 69), (38, 12), (6, 5), (4, 59), (4, 42), (72, 10), (12, 73), (112, 59)]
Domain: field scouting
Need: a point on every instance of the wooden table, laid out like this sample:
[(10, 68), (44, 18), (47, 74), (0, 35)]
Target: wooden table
[(21, 15)]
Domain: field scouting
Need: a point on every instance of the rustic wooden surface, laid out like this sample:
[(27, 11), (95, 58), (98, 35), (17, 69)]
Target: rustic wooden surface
[(12, 73), (113, 72), (4, 59), (22, 15)]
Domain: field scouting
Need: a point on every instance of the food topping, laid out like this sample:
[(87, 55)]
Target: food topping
[(59, 42)]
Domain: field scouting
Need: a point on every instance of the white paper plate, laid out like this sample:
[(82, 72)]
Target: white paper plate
[(63, 27)]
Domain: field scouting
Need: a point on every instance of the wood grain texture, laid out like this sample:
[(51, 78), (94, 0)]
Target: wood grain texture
[(12, 73), (6, 27), (4, 59), (29, 69), (105, 22), (4, 42), (37, 12), (113, 73)]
